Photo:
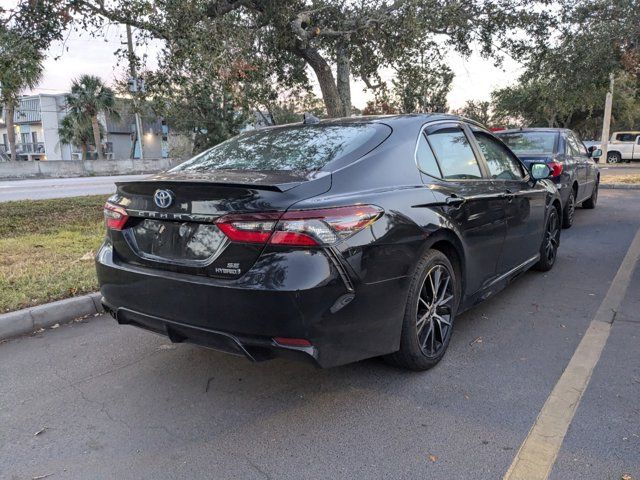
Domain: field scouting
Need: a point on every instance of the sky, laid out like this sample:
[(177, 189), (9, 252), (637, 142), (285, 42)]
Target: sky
[(475, 77)]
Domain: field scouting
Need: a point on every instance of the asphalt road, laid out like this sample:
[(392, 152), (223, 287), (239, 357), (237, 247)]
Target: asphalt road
[(60, 187), (120, 403)]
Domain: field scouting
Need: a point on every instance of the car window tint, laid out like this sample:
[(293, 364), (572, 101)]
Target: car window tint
[(502, 164), (626, 137), (425, 158), (581, 148), (454, 154), (297, 148)]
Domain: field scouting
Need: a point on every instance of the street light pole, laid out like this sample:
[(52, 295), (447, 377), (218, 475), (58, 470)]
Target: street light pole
[(606, 121), (132, 72)]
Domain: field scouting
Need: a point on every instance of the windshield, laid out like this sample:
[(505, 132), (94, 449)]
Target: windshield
[(530, 142), (301, 148)]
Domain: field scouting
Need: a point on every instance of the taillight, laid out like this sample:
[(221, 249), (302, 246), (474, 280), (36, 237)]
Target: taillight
[(556, 168), (307, 228), (115, 217)]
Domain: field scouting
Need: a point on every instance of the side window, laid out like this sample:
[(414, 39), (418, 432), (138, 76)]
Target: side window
[(502, 164), (576, 147), (425, 158), (454, 154)]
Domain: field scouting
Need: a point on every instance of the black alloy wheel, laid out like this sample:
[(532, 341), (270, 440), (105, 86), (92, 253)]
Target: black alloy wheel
[(550, 242), (433, 319), (434, 295)]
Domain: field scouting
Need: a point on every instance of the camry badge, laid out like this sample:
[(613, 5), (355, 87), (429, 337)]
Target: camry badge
[(163, 198)]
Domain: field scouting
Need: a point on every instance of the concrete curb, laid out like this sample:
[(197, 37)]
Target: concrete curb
[(30, 319), (620, 186)]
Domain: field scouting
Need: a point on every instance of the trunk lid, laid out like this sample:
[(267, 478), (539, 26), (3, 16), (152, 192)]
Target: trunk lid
[(182, 236)]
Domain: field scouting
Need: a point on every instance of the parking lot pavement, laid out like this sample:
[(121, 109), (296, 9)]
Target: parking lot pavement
[(60, 187), (117, 402)]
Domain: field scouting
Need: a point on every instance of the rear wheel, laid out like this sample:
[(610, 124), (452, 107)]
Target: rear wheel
[(614, 157), (433, 300), (569, 210), (550, 242), (593, 199)]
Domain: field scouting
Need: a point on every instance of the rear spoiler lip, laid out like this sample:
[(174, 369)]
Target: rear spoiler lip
[(282, 187)]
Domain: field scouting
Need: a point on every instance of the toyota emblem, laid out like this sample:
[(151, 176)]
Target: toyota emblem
[(163, 198)]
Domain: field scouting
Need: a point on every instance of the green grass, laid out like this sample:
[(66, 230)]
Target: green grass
[(47, 248)]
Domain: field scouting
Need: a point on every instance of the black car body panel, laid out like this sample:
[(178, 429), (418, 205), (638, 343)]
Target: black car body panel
[(346, 299)]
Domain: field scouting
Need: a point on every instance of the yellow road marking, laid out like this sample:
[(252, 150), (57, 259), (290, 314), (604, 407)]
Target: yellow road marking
[(538, 452)]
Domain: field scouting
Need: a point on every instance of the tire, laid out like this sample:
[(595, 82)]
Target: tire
[(550, 242), (614, 157), (593, 199), (422, 345), (569, 211)]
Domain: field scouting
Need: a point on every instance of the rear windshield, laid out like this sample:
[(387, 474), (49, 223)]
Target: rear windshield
[(530, 142), (302, 148)]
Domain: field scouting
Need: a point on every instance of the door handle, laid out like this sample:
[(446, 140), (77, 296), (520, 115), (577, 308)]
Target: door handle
[(454, 200)]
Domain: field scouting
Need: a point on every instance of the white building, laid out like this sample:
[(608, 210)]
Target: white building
[(37, 121)]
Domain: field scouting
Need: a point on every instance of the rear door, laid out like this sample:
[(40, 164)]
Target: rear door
[(465, 196), (524, 203)]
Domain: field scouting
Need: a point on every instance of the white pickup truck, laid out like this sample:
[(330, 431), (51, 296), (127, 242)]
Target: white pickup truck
[(623, 147)]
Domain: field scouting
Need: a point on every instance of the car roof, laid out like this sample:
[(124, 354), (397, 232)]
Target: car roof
[(533, 129), (391, 120)]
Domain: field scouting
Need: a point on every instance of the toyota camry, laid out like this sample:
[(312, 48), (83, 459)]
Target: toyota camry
[(329, 241)]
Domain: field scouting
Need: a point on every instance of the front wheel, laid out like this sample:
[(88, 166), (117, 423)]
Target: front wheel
[(434, 295), (550, 242)]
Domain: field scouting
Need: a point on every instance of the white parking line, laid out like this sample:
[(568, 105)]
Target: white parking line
[(538, 452)]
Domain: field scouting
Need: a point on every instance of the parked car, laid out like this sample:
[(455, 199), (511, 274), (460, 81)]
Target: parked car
[(623, 147), (332, 242), (574, 170)]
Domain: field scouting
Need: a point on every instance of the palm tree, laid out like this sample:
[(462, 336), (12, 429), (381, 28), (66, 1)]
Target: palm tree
[(20, 68), (76, 130), (89, 97)]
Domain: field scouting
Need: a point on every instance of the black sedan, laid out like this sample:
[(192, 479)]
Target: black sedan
[(332, 242), (573, 169)]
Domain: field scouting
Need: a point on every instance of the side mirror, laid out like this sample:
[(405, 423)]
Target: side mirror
[(540, 171), (596, 153), (591, 149)]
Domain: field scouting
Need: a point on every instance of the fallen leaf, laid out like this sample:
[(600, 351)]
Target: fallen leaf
[(40, 477), (42, 430), (477, 340), (55, 326), (562, 325), (433, 458), (626, 476), (40, 330)]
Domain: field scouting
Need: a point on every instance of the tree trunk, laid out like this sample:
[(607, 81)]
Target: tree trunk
[(343, 74), (11, 131), (96, 136), (83, 150), (325, 78)]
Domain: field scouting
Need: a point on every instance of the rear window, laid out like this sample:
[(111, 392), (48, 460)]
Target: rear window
[(301, 148), (529, 142), (626, 137)]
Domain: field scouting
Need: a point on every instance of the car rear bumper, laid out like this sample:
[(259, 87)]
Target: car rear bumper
[(297, 296)]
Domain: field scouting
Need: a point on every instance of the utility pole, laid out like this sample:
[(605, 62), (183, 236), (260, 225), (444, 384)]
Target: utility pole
[(135, 89), (606, 121)]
